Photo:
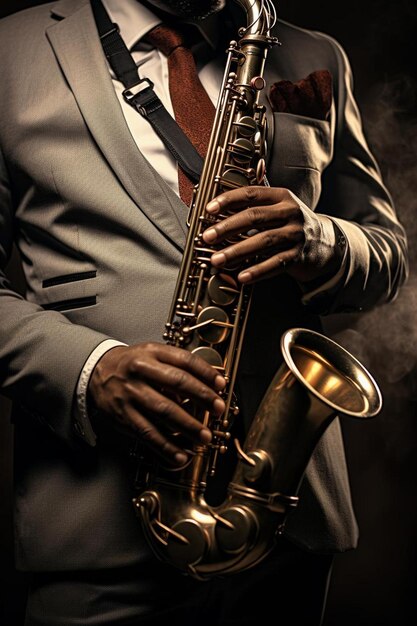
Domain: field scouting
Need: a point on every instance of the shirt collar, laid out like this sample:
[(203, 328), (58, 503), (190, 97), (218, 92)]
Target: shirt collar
[(135, 20)]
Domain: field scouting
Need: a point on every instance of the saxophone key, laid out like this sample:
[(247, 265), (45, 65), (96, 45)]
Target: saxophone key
[(242, 150), (222, 289), (222, 434), (213, 325), (260, 171), (258, 83), (246, 126), (210, 355)]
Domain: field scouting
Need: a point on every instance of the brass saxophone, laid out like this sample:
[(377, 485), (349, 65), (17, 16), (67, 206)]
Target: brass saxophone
[(318, 380)]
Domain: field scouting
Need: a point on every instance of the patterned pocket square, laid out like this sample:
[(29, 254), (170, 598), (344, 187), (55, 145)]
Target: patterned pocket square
[(310, 96)]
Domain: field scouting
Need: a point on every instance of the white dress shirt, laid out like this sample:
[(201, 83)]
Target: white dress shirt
[(135, 21)]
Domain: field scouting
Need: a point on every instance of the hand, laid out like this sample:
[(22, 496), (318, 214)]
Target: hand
[(142, 386), (289, 236)]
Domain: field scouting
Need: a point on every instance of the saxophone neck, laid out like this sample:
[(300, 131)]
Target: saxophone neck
[(261, 18)]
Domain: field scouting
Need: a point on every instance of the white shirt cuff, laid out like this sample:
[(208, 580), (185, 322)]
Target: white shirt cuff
[(82, 421)]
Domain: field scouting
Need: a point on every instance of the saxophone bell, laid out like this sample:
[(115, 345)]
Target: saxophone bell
[(318, 381)]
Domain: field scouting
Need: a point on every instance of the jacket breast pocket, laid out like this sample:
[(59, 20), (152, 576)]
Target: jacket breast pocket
[(302, 148)]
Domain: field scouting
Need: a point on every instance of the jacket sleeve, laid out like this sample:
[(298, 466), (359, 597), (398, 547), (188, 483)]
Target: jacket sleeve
[(356, 199), (41, 352)]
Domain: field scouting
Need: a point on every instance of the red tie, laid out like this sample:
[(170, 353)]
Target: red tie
[(193, 109)]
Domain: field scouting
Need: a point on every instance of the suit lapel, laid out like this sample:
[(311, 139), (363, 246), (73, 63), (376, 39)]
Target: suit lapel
[(78, 51)]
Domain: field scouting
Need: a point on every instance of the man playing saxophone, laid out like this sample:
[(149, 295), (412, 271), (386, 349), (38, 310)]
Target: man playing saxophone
[(97, 206)]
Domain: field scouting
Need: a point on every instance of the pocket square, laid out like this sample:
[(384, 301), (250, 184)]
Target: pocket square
[(310, 96)]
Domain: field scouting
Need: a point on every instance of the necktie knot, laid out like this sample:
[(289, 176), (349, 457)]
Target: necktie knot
[(165, 39)]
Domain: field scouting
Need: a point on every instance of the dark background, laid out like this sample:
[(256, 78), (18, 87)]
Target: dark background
[(374, 585)]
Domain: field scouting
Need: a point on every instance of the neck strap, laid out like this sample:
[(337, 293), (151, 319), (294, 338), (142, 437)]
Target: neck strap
[(139, 93)]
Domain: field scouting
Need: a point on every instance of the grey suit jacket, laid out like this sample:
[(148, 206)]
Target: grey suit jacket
[(100, 236)]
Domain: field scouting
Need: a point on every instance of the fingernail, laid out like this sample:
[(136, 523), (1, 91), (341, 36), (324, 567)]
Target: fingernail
[(218, 258), (245, 277), (210, 235), (181, 458), (205, 435), (213, 206), (219, 382), (219, 406)]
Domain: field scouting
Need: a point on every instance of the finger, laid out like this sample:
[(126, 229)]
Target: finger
[(153, 437), (245, 197), (178, 380), (258, 218), (264, 243), (170, 414), (185, 360), (254, 218), (273, 266)]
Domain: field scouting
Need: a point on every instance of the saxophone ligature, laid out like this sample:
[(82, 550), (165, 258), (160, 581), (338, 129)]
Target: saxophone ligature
[(318, 380)]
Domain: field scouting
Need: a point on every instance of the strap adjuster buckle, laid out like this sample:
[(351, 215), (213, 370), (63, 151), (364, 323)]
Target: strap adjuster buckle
[(132, 92)]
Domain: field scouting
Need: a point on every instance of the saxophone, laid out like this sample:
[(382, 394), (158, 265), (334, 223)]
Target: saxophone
[(317, 381)]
